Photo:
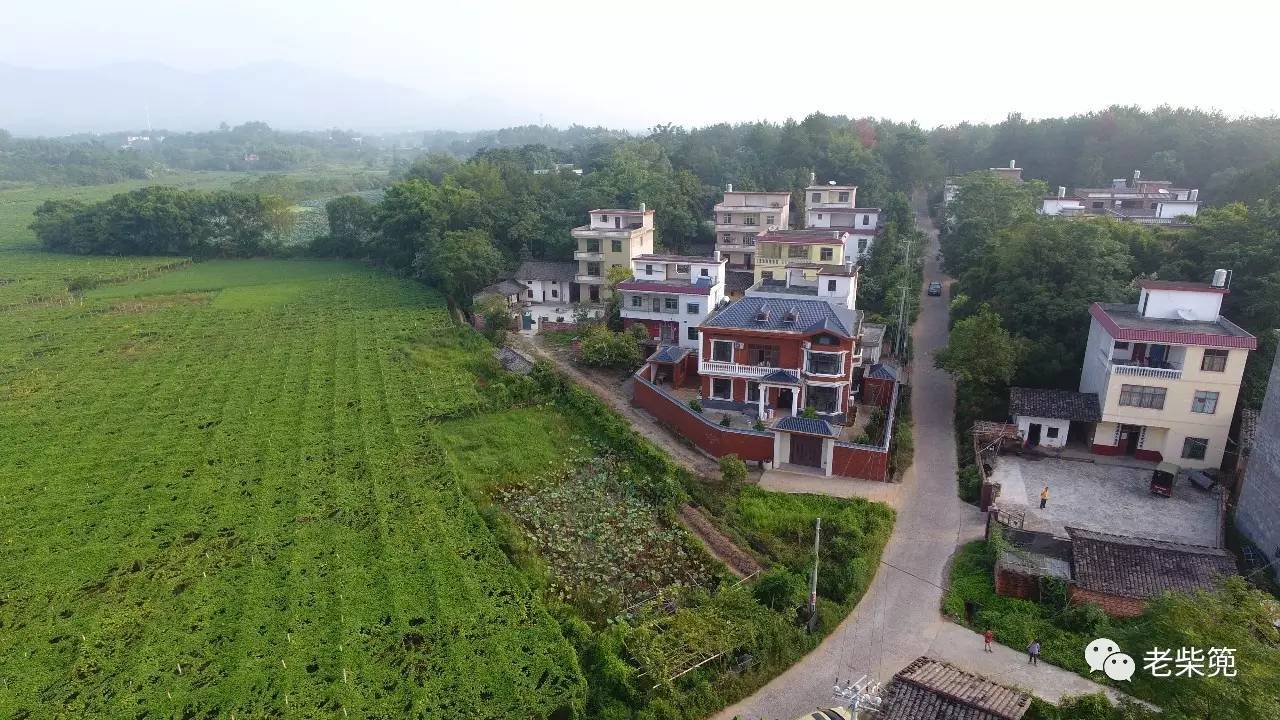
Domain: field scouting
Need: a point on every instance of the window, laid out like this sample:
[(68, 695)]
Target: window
[(817, 197), (555, 293), (819, 216), (726, 238), (648, 269), (593, 246), (706, 272), (1142, 396), (763, 355), (657, 304), (637, 301), (593, 268), (1051, 431), (831, 286), (682, 269), (862, 245), (693, 308), (825, 363), (693, 332), (826, 254), (753, 391), (843, 197), (671, 304), (750, 220), (1155, 205), (722, 350), (866, 219), (728, 219), (798, 251), (604, 218), (824, 340), (529, 292), (1121, 346), (722, 388), (1205, 401), (1195, 448), (766, 274), (770, 219), (1097, 205), (1214, 361), (616, 245)]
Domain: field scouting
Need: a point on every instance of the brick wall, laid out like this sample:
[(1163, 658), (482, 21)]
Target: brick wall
[(750, 445), (876, 391), (549, 326), (1113, 605), (860, 461), (1010, 583)]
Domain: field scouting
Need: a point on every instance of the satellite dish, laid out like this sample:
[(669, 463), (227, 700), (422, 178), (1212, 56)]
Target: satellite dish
[(1186, 314)]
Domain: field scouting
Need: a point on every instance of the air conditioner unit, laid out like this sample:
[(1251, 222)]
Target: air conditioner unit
[(739, 345)]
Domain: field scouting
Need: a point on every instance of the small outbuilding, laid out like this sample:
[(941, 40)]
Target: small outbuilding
[(930, 689), (1044, 416)]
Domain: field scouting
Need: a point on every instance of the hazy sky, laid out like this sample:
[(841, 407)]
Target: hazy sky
[(636, 64)]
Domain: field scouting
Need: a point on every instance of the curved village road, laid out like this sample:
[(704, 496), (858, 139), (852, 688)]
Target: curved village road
[(899, 618)]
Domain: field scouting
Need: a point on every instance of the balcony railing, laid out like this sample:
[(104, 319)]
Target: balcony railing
[(589, 279), (589, 255), (1173, 372), (728, 368), (770, 261)]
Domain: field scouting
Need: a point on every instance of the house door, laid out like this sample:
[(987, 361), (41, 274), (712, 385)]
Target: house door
[(575, 293), (784, 399), (594, 293), (1129, 435), (1033, 435), (806, 450), (668, 333)]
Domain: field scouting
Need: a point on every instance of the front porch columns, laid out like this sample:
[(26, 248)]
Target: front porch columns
[(763, 391), (795, 402)]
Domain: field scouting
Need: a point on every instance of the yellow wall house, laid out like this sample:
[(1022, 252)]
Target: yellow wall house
[(780, 249), (740, 217), (1166, 372), (611, 238)]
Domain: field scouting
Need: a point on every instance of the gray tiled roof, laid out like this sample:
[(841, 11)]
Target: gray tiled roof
[(1057, 404), (808, 426), (504, 288), (544, 270), (670, 354), (1143, 568), (808, 314), (880, 371), (929, 689), (781, 376), (738, 280)]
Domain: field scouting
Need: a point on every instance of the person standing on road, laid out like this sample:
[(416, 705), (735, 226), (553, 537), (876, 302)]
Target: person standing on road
[(1044, 497), (987, 637), (1033, 652)]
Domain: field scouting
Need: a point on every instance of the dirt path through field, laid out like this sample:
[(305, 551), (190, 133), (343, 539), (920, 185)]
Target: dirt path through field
[(739, 561)]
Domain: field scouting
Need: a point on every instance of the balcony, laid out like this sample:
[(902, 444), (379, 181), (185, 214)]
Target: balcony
[(770, 261), (1173, 372), (588, 255), (589, 279), (734, 369)]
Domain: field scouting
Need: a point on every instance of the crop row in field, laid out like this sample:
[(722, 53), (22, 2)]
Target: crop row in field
[(223, 498)]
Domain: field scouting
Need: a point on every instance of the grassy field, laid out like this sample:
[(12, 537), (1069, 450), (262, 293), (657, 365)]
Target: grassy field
[(224, 497)]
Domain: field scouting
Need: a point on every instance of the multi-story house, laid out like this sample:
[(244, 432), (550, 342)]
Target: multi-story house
[(833, 207), (671, 295), (611, 238), (1166, 372), (778, 250), (1152, 202), (788, 345), (740, 216)]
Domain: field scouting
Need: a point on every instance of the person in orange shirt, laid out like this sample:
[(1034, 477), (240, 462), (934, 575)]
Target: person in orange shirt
[(987, 637), (1044, 497)]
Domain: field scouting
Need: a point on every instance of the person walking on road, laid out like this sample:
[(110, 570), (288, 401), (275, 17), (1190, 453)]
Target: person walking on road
[(1033, 652), (987, 637), (1044, 497)]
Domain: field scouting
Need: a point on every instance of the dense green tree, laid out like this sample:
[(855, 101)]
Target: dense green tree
[(460, 264), (980, 351), (350, 227)]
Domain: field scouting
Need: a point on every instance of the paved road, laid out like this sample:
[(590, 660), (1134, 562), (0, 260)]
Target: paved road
[(899, 618)]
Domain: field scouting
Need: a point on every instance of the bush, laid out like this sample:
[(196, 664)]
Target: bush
[(759, 425), (809, 412), (970, 484), (725, 421), (733, 469), (780, 589), (695, 405), (601, 347), (639, 333)]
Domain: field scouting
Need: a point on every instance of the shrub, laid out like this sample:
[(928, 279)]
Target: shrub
[(759, 425), (733, 469), (809, 412), (725, 421), (639, 333), (970, 483), (780, 589), (601, 347), (695, 405)]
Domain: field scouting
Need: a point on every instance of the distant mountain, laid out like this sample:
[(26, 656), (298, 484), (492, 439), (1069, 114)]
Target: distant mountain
[(285, 96)]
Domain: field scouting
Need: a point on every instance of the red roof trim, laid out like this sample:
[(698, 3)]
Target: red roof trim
[(1248, 342), (678, 289)]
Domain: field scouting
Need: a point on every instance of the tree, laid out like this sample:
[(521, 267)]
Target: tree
[(350, 226), (462, 263), (602, 347), (980, 351), (733, 469)]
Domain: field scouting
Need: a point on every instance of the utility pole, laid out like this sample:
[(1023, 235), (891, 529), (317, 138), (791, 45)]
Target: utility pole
[(902, 303), (813, 580)]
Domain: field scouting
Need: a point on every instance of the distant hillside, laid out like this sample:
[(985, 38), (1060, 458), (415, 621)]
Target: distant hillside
[(112, 97)]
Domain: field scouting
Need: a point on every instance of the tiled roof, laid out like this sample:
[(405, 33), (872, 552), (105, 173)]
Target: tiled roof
[(929, 689), (781, 376), (881, 372), (513, 360), (543, 270), (504, 288), (807, 426), (1180, 285), (670, 354), (738, 280), (818, 235), (1123, 322), (743, 315), (1057, 404), (683, 287), (1143, 568)]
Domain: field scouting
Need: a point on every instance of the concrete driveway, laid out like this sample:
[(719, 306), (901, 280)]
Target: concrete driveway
[(899, 618)]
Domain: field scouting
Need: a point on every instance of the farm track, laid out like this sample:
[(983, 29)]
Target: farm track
[(739, 562)]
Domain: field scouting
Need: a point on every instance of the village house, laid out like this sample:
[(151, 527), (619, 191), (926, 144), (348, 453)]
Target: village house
[(671, 295), (1153, 202), (782, 249), (611, 238), (1166, 372), (740, 216), (1044, 416), (930, 689), (832, 207)]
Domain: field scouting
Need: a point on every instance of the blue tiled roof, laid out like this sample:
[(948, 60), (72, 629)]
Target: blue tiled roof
[(670, 354), (808, 314), (881, 372), (781, 376), (808, 426)]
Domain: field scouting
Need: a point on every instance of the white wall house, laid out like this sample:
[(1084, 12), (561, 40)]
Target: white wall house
[(672, 294), (1154, 202)]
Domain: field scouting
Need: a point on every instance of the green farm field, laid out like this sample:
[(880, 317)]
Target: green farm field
[(226, 493)]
